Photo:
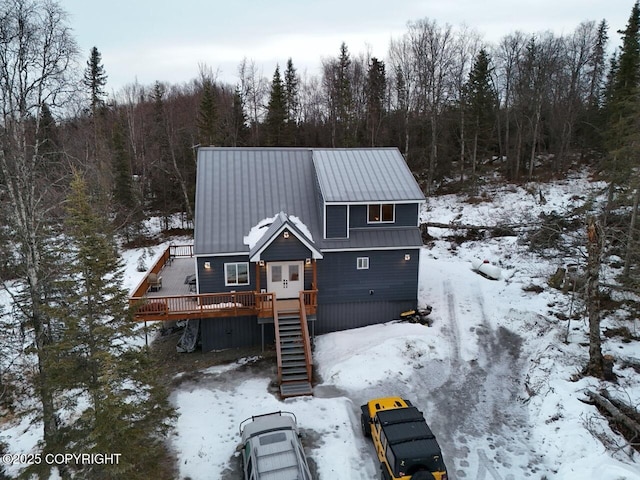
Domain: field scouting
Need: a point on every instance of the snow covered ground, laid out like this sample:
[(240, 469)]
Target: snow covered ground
[(493, 374)]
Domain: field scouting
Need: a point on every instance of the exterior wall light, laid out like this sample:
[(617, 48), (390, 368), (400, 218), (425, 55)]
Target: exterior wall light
[(307, 261), (261, 263), (207, 265), (407, 257), (285, 234)]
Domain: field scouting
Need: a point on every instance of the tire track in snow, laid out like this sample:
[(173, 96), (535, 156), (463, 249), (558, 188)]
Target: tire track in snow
[(453, 323), (505, 419), (477, 405)]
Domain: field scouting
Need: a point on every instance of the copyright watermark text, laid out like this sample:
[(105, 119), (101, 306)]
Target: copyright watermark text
[(60, 459)]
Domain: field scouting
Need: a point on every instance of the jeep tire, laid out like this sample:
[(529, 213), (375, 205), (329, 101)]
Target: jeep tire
[(384, 474), (365, 424), (422, 475)]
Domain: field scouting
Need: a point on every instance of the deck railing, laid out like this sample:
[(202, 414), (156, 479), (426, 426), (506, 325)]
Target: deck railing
[(309, 299), (207, 305), (204, 305), (171, 252), (264, 304)]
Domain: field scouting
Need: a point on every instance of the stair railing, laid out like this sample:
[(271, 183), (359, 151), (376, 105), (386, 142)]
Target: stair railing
[(278, 346), (305, 337)]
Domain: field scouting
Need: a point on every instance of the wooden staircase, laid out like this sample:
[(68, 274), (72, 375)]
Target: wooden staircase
[(293, 349)]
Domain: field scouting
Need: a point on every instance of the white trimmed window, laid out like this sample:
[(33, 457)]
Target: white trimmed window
[(381, 213), (236, 273), (362, 263)]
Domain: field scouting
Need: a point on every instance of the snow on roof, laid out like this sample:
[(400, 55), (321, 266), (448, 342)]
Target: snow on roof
[(301, 226), (257, 231)]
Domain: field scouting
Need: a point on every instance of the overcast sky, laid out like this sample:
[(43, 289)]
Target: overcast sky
[(166, 40)]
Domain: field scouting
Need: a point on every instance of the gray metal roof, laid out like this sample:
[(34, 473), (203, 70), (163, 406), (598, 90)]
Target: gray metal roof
[(377, 238), (365, 175), (238, 187)]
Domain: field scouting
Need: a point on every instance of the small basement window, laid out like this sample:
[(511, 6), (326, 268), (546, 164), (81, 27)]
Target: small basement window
[(236, 273), (381, 213), (362, 263)]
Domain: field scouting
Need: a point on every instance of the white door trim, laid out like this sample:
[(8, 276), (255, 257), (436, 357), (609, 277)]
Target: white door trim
[(286, 284)]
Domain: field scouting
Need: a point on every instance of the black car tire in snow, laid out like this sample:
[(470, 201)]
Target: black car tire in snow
[(384, 474), (366, 426), (422, 475)]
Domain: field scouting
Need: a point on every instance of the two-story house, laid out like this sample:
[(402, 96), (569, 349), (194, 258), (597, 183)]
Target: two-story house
[(337, 225)]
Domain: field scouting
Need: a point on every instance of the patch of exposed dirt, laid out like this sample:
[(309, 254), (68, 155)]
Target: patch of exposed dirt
[(171, 362)]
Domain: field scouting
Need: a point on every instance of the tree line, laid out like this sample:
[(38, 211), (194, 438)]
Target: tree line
[(529, 105), (80, 169)]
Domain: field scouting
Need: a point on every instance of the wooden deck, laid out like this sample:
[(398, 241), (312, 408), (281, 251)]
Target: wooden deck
[(178, 300)]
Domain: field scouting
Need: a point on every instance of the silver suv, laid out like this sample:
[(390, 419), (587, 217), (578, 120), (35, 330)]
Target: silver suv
[(271, 448)]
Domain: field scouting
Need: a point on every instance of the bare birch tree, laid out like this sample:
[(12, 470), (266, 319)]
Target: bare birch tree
[(464, 50), (574, 87), (507, 55), (432, 48), (402, 62), (37, 56), (253, 89)]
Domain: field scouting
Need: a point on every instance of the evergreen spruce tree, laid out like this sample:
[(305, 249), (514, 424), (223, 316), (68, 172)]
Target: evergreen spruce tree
[(208, 127), (402, 110), (623, 142), (591, 118), (165, 194), (125, 200), (597, 64), (127, 411), (292, 91), (480, 101), (292, 98), (344, 98), (238, 119), (628, 73), (623, 105), (95, 78), (376, 87), (608, 89), (276, 121), (50, 142)]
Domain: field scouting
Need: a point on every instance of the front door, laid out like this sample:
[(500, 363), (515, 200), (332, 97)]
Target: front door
[(285, 279)]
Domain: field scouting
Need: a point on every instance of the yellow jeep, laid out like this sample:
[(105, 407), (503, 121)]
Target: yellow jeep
[(405, 445)]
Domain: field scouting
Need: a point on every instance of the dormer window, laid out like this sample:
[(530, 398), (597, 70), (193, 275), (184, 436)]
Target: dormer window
[(381, 213)]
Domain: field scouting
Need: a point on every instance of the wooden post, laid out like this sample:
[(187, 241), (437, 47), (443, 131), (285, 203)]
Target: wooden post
[(314, 269)]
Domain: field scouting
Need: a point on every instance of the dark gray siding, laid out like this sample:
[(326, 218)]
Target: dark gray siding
[(389, 278), (212, 280), (285, 249), (319, 200), (333, 317), (308, 276), (337, 221), (406, 215), (234, 332)]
